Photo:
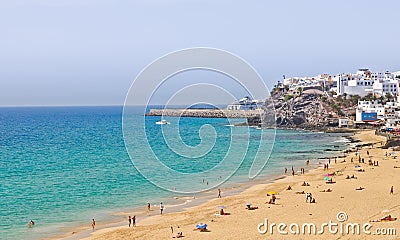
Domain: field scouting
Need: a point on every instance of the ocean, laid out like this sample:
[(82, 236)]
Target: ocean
[(63, 166)]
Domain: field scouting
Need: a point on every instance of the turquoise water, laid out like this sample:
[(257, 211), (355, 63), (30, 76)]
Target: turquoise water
[(63, 166)]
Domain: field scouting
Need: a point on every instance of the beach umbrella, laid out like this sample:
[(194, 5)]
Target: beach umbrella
[(221, 207), (357, 166), (327, 178), (201, 226), (272, 193), (385, 211), (328, 175)]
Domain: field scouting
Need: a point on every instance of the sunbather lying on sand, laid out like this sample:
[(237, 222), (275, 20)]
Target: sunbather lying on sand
[(249, 207), (328, 190), (388, 218), (360, 188), (385, 219), (302, 192)]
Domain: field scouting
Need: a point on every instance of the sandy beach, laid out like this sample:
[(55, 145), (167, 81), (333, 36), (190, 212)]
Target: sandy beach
[(373, 202)]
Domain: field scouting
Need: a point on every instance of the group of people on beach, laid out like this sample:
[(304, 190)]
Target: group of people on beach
[(326, 166), (310, 197), (132, 221), (179, 234), (272, 200)]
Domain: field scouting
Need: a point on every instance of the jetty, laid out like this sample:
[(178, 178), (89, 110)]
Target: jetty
[(206, 113)]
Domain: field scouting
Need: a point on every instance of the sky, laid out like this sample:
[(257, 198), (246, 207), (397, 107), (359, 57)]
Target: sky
[(88, 52)]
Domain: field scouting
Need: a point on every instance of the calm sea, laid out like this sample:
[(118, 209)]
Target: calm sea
[(62, 166)]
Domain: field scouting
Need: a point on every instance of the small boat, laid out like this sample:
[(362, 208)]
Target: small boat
[(162, 122)]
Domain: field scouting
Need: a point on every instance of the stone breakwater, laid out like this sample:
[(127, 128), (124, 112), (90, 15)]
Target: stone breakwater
[(206, 113)]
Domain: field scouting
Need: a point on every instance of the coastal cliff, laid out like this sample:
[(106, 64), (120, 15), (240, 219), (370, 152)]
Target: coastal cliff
[(312, 109)]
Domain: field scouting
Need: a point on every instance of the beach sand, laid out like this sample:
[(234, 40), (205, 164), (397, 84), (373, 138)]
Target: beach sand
[(372, 203)]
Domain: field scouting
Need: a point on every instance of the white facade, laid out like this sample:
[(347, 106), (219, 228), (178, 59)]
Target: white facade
[(370, 107), (245, 103), (364, 82), (386, 86), (343, 122)]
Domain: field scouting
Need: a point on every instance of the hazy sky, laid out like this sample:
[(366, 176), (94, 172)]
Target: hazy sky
[(88, 52)]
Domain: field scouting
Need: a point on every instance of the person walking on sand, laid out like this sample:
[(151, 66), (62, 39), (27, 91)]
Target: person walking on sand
[(148, 206), (391, 190), (93, 223), (219, 193), (161, 208), (129, 221)]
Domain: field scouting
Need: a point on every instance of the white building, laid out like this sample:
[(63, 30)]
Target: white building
[(386, 86), (343, 122), (245, 103), (364, 82), (365, 110)]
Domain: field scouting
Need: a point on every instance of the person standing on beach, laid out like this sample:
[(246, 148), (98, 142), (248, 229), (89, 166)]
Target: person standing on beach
[(219, 193), (391, 190), (148, 206), (285, 170), (93, 223), (129, 221), (161, 208), (134, 221)]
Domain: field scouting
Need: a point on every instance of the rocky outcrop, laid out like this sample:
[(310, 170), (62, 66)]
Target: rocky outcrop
[(307, 110)]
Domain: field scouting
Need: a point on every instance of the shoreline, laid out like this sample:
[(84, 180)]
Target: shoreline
[(289, 204), (189, 203), (179, 207)]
